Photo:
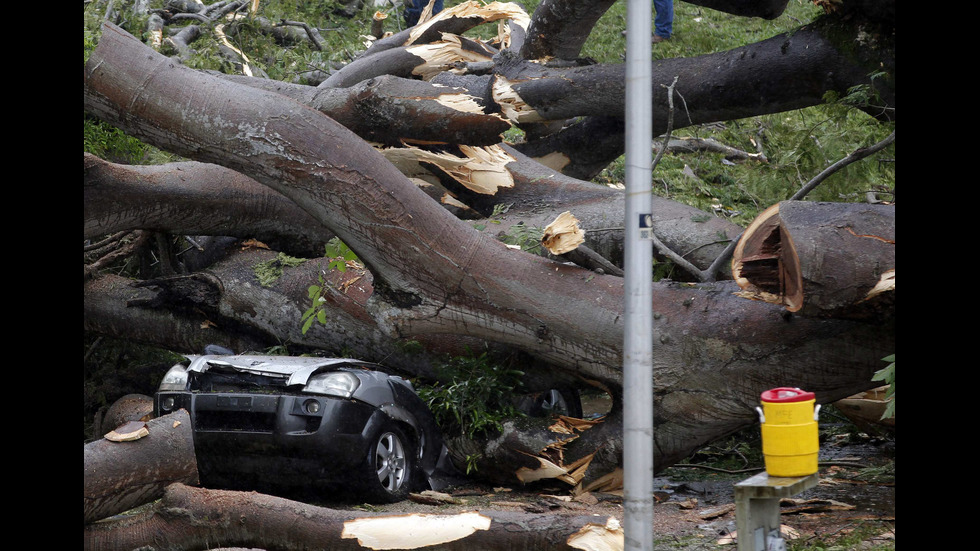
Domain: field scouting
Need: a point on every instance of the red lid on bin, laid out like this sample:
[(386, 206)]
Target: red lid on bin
[(787, 394)]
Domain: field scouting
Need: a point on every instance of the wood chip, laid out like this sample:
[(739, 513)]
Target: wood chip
[(430, 497), (128, 432), (790, 506), (690, 503), (716, 512)]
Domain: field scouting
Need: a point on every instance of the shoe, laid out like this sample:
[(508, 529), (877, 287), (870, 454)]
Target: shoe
[(658, 39)]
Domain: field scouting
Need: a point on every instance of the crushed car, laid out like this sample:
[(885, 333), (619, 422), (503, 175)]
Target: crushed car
[(294, 423)]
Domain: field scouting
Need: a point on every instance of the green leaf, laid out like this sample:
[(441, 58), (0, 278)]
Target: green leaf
[(308, 313), (889, 410)]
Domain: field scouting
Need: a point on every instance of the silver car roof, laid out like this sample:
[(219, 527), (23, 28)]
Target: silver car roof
[(298, 369)]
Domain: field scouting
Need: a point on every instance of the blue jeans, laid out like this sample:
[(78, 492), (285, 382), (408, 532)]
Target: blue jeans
[(663, 23), (413, 9)]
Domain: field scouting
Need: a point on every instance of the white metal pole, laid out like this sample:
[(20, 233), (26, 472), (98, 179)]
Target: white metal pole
[(638, 269)]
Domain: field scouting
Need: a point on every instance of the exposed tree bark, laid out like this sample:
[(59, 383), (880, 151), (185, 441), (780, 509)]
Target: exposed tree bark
[(123, 475), (191, 519), (242, 314)]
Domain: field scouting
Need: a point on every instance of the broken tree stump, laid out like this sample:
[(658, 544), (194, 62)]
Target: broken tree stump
[(821, 259), (137, 465)]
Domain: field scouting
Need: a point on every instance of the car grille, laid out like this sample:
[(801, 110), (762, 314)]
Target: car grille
[(246, 421)]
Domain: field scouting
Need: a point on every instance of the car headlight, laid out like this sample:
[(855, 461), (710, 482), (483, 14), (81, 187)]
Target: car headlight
[(175, 379), (339, 383)]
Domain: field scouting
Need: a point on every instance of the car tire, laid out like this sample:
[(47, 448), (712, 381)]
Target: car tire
[(561, 402), (391, 465)]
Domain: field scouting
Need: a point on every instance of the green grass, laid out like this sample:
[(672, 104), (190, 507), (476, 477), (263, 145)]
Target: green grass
[(864, 535), (798, 144)]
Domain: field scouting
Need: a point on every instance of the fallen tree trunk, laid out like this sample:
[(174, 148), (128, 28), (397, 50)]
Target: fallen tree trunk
[(123, 473), (227, 304), (191, 519)]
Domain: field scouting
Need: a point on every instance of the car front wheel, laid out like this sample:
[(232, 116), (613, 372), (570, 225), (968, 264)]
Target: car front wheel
[(391, 462)]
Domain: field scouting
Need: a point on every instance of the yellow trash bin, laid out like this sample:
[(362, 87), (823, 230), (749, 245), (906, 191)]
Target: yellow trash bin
[(789, 432)]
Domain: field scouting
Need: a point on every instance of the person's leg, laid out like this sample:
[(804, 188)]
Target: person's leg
[(663, 23), (413, 10)]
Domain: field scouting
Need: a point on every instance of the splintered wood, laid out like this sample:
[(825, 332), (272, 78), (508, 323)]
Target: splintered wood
[(563, 234), (479, 169), (765, 264), (551, 458), (494, 11), (442, 56), (413, 531), (599, 537)]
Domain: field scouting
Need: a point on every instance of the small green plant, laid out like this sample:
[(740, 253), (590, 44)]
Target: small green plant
[(316, 311), (339, 254), (887, 375), (473, 396), (471, 462), (527, 237)]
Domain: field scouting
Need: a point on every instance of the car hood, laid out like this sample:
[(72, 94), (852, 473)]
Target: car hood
[(297, 370)]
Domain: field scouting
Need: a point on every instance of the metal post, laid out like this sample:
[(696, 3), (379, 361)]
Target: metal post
[(638, 269)]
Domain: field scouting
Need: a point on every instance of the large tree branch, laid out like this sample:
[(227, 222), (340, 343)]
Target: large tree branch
[(559, 28), (786, 72), (193, 198)]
